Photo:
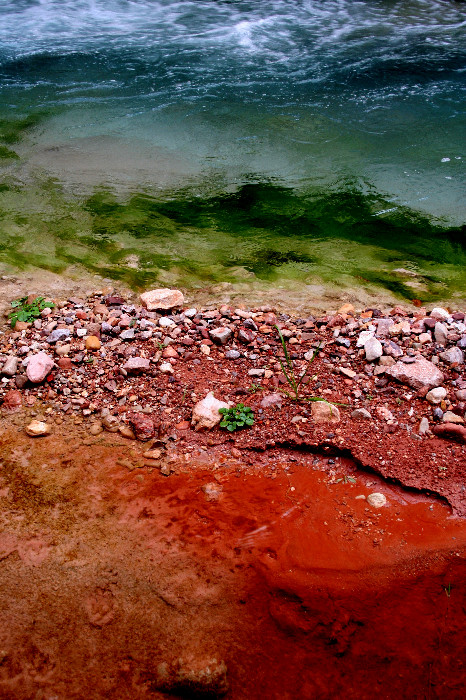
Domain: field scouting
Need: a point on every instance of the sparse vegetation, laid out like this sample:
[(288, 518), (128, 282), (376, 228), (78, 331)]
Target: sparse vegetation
[(294, 380), (24, 311), (239, 416)]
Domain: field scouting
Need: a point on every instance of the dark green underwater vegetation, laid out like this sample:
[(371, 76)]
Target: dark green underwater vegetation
[(263, 231)]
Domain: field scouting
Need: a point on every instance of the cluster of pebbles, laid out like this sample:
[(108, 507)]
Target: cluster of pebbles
[(139, 369)]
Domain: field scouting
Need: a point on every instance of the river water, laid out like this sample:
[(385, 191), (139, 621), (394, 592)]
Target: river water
[(212, 141)]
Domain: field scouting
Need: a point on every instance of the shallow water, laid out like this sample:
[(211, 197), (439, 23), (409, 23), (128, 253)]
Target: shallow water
[(195, 142)]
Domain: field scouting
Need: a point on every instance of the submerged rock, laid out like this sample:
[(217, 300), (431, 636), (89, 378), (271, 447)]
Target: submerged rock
[(194, 678), (37, 428)]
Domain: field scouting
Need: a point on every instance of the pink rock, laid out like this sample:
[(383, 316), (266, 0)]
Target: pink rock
[(136, 365), (272, 400), (162, 299), (418, 375), (39, 366)]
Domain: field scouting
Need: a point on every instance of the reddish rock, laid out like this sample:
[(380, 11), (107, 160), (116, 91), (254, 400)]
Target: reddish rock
[(64, 363), (418, 374), (143, 425), (451, 431), (12, 401), (170, 353)]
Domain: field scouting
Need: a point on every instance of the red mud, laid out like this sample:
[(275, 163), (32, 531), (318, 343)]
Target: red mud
[(109, 569)]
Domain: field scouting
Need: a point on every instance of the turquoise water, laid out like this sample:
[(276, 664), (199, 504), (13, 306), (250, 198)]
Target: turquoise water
[(220, 141)]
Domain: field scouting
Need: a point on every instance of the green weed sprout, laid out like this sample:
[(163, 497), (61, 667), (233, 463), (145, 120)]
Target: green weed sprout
[(239, 416), (28, 312), (294, 381)]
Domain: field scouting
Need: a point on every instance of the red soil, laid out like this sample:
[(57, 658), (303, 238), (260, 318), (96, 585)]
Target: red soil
[(109, 569)]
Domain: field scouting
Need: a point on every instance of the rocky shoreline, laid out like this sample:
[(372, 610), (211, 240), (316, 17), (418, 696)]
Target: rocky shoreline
[(392, 386)]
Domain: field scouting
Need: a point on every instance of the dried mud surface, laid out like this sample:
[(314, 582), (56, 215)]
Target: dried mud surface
[(263, 560)]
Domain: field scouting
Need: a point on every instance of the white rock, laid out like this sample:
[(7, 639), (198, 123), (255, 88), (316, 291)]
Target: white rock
[(166, 368), (377, 500), (166, 322), (363, 338), (190, 313), (440, 314), (373, 349), (37, 428), (423, 426), (162, 299), (205, 412), (435, 396)]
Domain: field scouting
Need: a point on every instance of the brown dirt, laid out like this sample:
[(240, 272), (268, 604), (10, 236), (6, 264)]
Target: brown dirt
[(109, 569)]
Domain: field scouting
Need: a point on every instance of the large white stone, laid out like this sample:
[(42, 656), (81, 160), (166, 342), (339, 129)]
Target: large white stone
[(435, 396), (162, 299), (205, 412)]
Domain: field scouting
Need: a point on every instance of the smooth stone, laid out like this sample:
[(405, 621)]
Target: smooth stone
[(363, 338), (220, 336), (166, 368), (440, 314), (440, 333), (436, 396), (361, 413), (10, 367), (376, 500), (127, 335), (450, 431), (232, 354), (93, 343), (38, 367), (166, 322), (450, 417), (37, 428), (424, 426), (373, 349)]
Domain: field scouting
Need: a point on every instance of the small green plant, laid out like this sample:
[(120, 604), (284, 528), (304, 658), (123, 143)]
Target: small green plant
[(28, 312), (255, 387), (239, 416), (295, 381), (447, 590), (345, 480)]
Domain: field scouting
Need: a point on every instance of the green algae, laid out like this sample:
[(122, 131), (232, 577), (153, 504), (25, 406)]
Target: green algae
[(263, 233)]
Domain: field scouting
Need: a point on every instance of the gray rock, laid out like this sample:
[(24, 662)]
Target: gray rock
[(363, 338), (232, 354), (256, 372), (220, 336), (383, 327), (418, 375), (452, 356), (462, 343), (166, 322), (440, 314), (10, 367), (391, 349), (437, 414), (373, 349), (440, 333), (127, 335), (58, 334)]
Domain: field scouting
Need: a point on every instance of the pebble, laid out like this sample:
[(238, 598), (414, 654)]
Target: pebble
[(93, 343), (10, 367), (38, 428), (232, 354), (437, 395), (38, 367), (376, 500)]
